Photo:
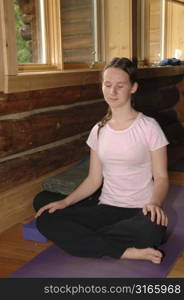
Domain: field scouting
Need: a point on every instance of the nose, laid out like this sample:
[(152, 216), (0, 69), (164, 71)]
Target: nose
[(113, 90)]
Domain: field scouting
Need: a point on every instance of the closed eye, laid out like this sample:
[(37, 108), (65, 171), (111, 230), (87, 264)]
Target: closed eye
[(107, 85)]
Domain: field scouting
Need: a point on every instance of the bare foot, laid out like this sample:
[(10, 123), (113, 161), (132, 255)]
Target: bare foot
[(146, 254)]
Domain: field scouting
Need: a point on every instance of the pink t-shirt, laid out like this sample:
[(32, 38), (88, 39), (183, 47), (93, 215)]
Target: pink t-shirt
[(126, 161)]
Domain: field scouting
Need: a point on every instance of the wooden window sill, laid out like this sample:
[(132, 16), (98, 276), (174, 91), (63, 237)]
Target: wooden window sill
[(27, 81)]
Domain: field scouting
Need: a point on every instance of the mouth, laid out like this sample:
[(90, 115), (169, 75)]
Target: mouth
[(113, 99)]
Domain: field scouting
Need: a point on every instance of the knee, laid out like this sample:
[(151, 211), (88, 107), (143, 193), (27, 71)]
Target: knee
[(39, 200), (151, 233), (44, 198), (42, 226)]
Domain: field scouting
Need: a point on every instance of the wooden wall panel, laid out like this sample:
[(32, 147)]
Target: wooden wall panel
[(27, 101), (179, 107), (162, 99), (28, 167), (24, 133), (42, 131)]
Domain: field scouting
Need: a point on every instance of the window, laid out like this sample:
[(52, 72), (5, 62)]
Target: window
[(34, 49), (59, 33), (80, 29), (159, 30), (175, 26), (30, 34)]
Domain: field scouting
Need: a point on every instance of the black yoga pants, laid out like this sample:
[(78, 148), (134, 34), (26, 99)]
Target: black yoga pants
[(90, 229)]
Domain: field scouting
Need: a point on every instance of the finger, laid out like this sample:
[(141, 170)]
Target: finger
[(41, 210), (52, 209), (165, 223), (158, 216), (164, 220), (144, 210), (153, 214)]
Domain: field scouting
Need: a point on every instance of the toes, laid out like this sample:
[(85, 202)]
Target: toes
[(156, 260), (155, 255)]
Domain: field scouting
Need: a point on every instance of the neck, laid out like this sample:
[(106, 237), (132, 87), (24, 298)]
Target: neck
[(125, 113)]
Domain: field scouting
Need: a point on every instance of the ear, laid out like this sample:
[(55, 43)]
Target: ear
[(134, 87)]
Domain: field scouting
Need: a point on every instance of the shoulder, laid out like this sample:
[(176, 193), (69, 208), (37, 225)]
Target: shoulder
[(94, 129), (153, 132), (149, 122)]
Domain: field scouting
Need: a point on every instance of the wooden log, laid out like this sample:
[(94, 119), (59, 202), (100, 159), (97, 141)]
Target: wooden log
[(17, 135), (28, 167), (27, 101), (154, 82), (155, 99), (179, 107), (27, 6), (175, 133)]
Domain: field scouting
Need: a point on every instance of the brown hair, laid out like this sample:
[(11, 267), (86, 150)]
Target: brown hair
[(127, 66)]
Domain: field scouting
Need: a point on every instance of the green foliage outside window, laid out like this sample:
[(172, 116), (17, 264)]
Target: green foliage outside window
[(23, 47)]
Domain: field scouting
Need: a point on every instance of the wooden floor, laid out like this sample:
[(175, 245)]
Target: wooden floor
[(15, 251)]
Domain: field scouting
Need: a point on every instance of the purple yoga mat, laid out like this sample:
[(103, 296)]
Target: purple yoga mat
[(56, 263)]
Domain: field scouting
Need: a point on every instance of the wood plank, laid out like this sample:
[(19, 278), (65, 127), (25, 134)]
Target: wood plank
[(1, 57), (27, 101), (15, 251), (40, 80), (9, 37), (178, 269), (24, 133), (119, 28), (53, 33), (28, 167)]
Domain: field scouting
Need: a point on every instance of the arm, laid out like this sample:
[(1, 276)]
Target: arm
[(90, 184), (161, 184)]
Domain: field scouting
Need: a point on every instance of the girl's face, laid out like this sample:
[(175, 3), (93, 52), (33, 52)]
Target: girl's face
[(117, 87)]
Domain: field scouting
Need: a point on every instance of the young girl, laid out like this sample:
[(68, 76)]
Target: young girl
[(128, 158)]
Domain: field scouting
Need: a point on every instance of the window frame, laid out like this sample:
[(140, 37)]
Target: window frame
[(54, 51), (24, 77)]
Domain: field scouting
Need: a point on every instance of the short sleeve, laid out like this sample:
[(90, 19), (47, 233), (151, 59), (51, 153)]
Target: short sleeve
[(92, 140), (156, 137)]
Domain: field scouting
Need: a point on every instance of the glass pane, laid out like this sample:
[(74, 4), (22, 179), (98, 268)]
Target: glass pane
[(78, 30), (175, 37), (29, 31), (161, 33)]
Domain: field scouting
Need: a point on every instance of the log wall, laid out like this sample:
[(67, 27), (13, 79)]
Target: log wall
[(40, 133), (45, 130)]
